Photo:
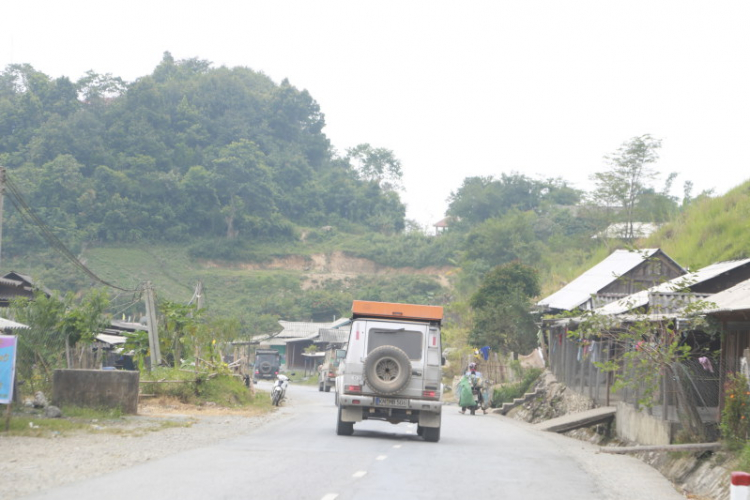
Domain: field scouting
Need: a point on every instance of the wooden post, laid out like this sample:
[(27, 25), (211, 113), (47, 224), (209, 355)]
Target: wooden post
[(153, 334), (2, 193), (8, 411)]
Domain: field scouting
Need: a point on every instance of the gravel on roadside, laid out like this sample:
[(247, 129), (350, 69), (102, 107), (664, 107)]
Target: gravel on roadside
[(32, 464)]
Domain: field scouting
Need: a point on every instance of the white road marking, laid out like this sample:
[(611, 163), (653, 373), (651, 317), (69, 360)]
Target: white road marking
[(330, 496), (397, 446), (359, 473), (381, 457)]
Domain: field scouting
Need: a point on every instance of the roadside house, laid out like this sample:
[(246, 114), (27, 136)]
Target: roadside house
[(622, 273), (732, 309), (14, 285), (573, 360), (295, 337)]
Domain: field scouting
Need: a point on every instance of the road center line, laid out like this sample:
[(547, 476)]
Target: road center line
[(359, 473), (397, 446), (381, 457), (330, 496)]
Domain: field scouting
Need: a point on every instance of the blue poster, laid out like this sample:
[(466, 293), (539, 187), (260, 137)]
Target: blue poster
[(7, 367)]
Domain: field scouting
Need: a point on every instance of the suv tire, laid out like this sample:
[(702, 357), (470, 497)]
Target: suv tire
[(387, 370), (265, 367), (431, 434), (344, 428)]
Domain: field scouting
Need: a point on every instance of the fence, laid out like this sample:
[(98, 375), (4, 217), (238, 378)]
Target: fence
[(496, 369), (689, 388)]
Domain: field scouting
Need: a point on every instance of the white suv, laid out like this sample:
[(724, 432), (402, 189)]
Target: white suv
[(393, 367)]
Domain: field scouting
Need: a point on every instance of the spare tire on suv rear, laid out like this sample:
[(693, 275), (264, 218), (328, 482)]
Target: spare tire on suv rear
[(265, 367), (387, 370)]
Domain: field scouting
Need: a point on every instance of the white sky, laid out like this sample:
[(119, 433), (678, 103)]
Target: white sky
[(454, 89)]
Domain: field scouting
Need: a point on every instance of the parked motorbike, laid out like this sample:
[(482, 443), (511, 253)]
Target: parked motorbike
[(279, 389)]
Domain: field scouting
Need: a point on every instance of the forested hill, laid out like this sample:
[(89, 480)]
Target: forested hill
[(190, 151)]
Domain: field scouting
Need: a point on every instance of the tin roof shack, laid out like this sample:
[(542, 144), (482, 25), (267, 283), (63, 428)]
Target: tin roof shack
[(295, 337), (732, 309), (111, 341), (14, 285), (622, 273), (572, 360)]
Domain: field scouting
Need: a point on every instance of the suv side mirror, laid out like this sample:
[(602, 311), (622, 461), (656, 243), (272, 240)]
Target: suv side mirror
[(442, 360)]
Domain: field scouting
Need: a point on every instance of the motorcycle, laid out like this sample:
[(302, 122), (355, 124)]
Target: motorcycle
[(278, 392), (472, 394)]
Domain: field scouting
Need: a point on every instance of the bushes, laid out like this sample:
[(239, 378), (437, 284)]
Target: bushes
[(507, 393), (735, 417), (222, 389)]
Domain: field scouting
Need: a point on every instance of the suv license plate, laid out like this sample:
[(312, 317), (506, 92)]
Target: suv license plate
[(391, 402)]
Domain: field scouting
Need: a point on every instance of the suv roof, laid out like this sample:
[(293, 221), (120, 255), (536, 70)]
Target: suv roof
[(370, 309)]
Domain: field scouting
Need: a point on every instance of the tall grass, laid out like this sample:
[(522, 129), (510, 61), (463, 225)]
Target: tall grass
[(711, 230)]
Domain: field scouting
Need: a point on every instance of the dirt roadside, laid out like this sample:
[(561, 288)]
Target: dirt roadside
[(161, 428)]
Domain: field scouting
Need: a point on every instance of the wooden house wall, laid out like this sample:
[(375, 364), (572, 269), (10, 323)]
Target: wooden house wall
[(724, 281), (648, 273), (735, 339)]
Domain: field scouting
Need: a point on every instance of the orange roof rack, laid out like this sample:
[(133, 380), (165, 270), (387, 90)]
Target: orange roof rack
[(392, 310)]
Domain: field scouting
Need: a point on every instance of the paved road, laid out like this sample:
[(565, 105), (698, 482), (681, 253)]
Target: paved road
[(299, 457)]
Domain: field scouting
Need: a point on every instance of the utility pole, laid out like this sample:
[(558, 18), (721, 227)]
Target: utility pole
[(2, 193), (153, 334)]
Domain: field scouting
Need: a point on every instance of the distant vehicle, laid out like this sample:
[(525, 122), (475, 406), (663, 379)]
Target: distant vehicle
[(393, 367), (267, 363), (328, 369)]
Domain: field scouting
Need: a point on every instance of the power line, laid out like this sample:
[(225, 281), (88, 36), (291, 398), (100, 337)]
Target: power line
[(46, 233)]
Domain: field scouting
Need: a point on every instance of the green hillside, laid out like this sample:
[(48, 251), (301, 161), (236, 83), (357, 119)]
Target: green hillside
[(711, 230), (221, 176)]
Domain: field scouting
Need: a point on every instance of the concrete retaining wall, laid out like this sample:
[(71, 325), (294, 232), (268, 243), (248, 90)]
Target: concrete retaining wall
[(96, 389), (640, 427)]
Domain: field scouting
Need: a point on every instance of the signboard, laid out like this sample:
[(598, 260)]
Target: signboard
[(7, 367)]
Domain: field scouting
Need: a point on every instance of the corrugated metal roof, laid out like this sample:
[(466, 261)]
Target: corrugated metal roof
[(128, 325), (641, 298), (579, 290), (111, 339), (620, 230), (6, 324), (732, 299), (334, 336), (294, 329)]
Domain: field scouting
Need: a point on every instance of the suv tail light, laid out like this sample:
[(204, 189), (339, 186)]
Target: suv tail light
[(429, 394), (354, 388)]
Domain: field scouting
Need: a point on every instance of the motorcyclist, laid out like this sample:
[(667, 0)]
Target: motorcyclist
[(470, 390)]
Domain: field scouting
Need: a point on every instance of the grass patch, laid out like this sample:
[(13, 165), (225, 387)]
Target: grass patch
[(33, 424), (29, 426), (197, 388)]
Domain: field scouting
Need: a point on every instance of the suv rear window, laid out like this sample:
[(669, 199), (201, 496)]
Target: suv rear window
[(409, 341)]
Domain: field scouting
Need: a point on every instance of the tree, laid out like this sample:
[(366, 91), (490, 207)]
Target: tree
[(379, 165), (628, 177), (482, 198), (504, 239), (502, 306)]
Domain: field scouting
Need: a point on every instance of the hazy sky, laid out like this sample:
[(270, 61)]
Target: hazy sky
[(454, 89)]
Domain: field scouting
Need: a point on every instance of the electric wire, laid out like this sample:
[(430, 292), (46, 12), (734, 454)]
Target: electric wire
[(46, 233)]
